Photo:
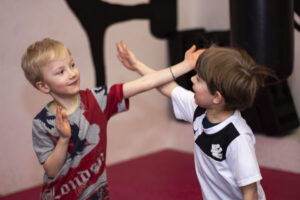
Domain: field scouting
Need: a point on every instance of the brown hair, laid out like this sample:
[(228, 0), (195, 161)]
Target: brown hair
[(233, 73), (38, 54)]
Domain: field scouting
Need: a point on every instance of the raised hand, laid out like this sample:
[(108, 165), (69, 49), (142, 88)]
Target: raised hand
[(126, 56), (191, 56), (62, 124)]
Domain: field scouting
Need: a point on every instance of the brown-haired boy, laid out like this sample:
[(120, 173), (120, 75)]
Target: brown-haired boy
[(226, 82)]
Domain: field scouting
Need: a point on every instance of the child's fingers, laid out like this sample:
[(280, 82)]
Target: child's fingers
[(192, 48), (62, 123), (64, 117), (58, 117), (123, 51), (189, 52), (123, 44), (119, 48), (125, 48), (199, 51), (58, 112)]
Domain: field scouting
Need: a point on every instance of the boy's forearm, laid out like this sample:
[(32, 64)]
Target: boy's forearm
[(177, 70), (143, 69), (158, 79), (167, 88), (57, 158), (155, 79)]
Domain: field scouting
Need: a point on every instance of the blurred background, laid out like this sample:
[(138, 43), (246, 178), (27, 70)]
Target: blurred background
[(149, 125)]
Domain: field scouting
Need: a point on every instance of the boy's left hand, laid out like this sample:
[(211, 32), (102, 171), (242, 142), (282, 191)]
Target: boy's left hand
[(126, 56), (62, 124)]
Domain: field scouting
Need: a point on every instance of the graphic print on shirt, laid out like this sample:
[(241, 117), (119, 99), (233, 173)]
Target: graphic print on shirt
[(77, 144), (216, 151), (215, 145), (100, 89), (45, 118)]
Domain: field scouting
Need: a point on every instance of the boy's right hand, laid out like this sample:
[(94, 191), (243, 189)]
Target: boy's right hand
[(126, 56), (191, 55), (62, 124)]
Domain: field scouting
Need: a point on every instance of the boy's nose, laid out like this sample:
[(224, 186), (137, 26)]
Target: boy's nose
[(72, 73), (192, 78)]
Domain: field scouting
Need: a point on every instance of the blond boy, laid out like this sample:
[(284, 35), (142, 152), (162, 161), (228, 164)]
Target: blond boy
[(69, 134)]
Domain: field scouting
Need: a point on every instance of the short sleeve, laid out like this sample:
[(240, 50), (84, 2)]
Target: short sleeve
[(242, 160), (183, 104), (111, 99)]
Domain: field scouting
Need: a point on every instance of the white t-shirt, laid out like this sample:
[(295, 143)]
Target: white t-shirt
[(224, 154)]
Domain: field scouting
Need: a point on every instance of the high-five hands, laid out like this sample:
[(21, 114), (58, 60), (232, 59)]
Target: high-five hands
[(129, 60)]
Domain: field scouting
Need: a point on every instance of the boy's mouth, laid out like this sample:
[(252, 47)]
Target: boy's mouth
[(74, 83)]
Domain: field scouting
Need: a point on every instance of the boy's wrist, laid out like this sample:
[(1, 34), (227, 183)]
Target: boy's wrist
[(189, 64), (63, 140), (143, 69), (138, 65), (186, 65)]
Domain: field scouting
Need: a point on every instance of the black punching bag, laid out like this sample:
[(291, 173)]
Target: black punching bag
[(265, 29)]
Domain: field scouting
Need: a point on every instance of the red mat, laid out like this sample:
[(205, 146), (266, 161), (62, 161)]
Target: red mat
[(164, 175), (170, 175)]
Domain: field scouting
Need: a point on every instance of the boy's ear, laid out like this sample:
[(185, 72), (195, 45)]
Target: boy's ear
[(218, 98), (43, 87)]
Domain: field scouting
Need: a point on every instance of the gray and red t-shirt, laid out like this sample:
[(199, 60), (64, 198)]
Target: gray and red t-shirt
[(83, 175)]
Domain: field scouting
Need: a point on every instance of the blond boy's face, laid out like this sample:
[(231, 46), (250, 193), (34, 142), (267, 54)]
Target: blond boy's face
[(61, 77)]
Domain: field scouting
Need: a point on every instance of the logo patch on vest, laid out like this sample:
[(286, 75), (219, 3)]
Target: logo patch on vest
[(216, 151)]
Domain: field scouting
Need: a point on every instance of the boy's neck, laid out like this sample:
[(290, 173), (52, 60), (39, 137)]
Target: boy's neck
[(217, 116), (68, 104)]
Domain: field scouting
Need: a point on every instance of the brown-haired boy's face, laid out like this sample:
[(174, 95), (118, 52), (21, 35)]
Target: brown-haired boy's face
[(61, 76), (203, 96)]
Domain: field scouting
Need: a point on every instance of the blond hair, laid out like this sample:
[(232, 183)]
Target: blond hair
[(234, 74), (39, 54)]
